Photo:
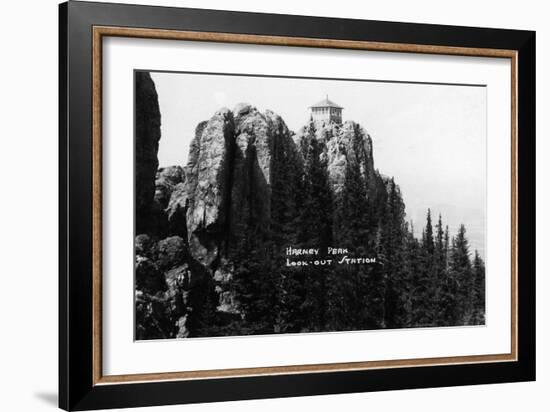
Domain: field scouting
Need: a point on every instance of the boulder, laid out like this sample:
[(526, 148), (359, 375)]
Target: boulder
[(171, 252)]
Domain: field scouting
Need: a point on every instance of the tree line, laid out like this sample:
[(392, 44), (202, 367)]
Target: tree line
[(429, 281)]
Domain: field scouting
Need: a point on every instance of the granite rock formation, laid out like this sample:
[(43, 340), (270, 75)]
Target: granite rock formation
[(242, 179), (166, 180), (343, 143), (147, 143), (208, 179)]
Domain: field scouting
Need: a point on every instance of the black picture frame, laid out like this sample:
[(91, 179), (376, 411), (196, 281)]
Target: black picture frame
[(77, 390)]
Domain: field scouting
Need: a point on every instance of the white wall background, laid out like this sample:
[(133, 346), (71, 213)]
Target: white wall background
[(28, 210)]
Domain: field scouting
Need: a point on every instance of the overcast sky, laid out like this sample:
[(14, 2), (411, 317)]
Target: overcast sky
[(431, 138)]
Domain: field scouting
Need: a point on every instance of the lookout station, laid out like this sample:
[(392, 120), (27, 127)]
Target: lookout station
[(326, 111)]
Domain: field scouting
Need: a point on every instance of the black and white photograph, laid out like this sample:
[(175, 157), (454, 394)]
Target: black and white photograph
[(276, 205), (214, 206)]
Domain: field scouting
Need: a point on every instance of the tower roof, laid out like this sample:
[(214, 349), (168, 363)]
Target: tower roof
[(325, 103)]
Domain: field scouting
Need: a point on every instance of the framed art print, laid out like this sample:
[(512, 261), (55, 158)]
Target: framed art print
[(259, 205)]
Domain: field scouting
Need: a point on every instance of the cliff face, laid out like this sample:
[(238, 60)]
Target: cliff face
[(208, 185), (227, 180), (147, 144), (342, 144), (250, 196)]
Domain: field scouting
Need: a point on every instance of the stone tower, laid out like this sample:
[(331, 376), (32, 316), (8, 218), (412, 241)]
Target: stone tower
[(326, 111)]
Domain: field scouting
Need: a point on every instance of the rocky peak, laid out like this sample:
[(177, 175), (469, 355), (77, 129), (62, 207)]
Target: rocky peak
[(341, 143), (208, 184)]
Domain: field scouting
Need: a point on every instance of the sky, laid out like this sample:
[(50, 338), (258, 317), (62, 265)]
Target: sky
[(431, 138)]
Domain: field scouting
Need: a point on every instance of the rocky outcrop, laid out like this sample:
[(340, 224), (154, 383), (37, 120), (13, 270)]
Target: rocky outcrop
[(147, 142), (176, 211), (171, 252), (223, 281), (341, 144), (166, 180), (226, 188), (228, 179), (153, 312), (171, 288), (250, 195), (208, 185), (350, 144)]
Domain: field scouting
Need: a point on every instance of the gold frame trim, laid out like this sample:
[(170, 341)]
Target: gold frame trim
[(101, 31)]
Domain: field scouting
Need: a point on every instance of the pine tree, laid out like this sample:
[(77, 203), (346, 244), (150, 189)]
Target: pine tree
[(355, 290), (440, 253), (415, 282), (256, 271), (440, 270), (460, 269), (351, 225), (393, 243), (446, 246), (427, 236), (412, 268), (315, 219), (249, 284), (448, 299), (285, 206), (479, 290), (315, 230), (425, 313)]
